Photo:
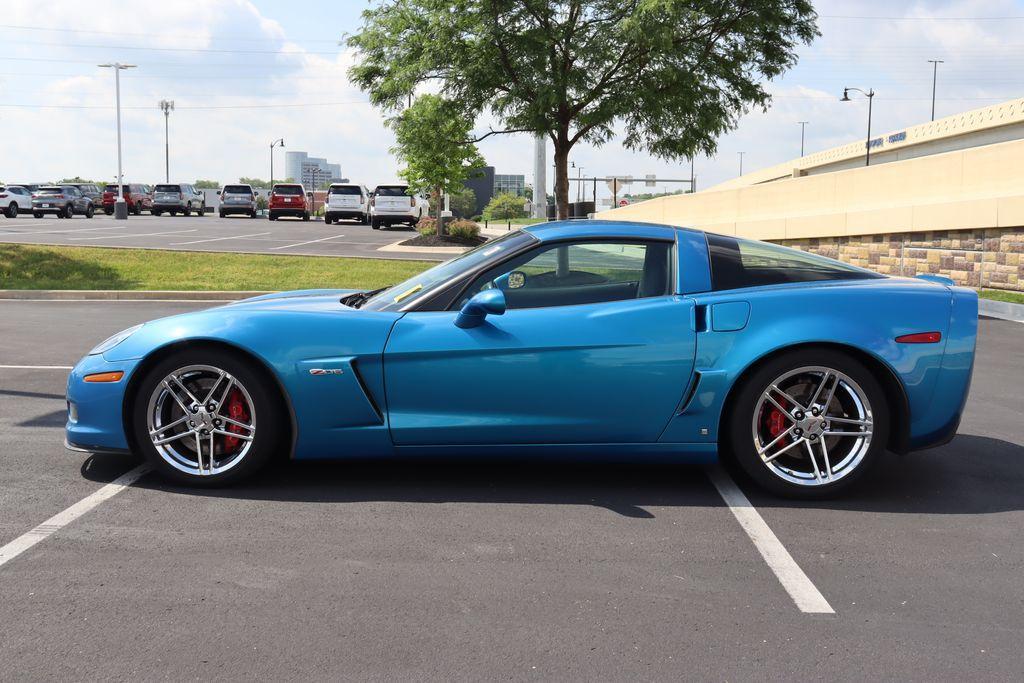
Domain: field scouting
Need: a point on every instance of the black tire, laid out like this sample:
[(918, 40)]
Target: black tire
[(109, 212), (69, 211), (375, 223), (270, 428), (156, 212), (187, 211), (252, 214), (272, 216), (737, 433), (137, 209), (305, 216), (36, 214), (221, 214), (202, 210), (12, 210), (90, 211)]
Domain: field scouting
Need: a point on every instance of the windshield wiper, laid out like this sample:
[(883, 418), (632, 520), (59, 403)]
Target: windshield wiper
[(359, 298)]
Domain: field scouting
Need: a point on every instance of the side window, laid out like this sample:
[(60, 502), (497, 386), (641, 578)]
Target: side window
[(737, 263), (577, 273)]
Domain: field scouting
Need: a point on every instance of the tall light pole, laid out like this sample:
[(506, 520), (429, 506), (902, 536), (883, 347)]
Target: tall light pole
[(167, 106), (120, 208), (741, 161), (935, 76), (579, 182), (803, 124), (870, 94), (276, 143)]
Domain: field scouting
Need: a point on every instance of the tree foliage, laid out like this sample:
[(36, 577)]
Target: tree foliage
[(463, 202), (206, 184), (505, 206), (257, 183), (433, 146), (670, 76)]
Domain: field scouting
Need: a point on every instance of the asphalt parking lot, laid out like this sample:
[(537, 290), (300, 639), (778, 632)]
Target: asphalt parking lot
[(415, 570), (212, 233)]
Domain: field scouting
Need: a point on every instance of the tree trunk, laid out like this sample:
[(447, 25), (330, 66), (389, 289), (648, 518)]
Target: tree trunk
[(562, 148)]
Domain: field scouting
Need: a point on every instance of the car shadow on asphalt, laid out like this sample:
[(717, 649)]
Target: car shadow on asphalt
[(971, 475)]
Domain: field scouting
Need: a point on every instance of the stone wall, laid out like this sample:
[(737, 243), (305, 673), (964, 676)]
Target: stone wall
[(991, 258)]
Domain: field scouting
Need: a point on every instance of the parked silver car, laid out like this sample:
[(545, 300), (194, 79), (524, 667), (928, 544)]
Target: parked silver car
[(181, 197), (237, 199), (63, 200)]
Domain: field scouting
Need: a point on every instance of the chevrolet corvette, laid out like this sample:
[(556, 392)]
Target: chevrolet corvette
[(583, 338)]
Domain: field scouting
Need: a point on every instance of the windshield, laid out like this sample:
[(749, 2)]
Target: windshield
[(237, 189), (50, 190), (111, 188), (344, 189), (288, 189), (416, 287), (392, 191)]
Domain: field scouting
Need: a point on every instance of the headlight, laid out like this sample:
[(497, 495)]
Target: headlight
[(113, 341)]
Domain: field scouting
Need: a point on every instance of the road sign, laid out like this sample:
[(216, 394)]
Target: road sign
[(623, 202)]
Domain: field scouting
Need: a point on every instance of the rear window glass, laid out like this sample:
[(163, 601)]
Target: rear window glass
[(168, 188), (287, 189), (110, 188), (344, 189), (237, 189), (50, 190), (737, 263), (392, 191)]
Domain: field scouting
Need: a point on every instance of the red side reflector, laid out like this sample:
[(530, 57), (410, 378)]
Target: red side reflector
[(920, 338), (105, 377)]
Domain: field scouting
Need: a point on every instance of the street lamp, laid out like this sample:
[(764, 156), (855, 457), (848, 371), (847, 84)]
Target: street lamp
[(870, 94), (935, 77), (741, 161), (167, 106), (579, 182), (120, 208), (276, 143)]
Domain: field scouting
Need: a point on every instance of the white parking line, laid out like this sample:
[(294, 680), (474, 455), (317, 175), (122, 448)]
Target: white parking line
[(37, 367), (804, 593), (145, 234), (31, 232), (217, 239), (68, 515), (299, 244)]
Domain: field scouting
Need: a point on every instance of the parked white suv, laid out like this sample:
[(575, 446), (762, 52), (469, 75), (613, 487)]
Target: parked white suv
[(14, 198), (391, 204), (347, 201)]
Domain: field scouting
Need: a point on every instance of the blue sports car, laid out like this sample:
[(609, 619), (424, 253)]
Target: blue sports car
[(582, 338)]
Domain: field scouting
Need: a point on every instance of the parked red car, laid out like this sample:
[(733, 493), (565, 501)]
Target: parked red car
[(138, 197), (289, 199)]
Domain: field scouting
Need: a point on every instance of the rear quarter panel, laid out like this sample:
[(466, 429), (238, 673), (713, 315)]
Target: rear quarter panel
[(866, 315)]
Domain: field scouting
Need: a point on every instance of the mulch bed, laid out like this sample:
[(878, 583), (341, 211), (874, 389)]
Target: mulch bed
[(442, 241)]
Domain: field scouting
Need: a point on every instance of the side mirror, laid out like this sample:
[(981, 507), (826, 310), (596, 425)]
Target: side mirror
[(473, 313)]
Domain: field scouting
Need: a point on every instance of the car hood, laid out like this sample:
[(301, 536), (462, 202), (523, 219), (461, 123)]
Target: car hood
[(303, 299)]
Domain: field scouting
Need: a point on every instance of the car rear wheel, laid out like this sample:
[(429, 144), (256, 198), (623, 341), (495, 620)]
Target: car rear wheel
[(156, 212), (187, 210), (12, 211), (305, 216), (137, 209), (252, 214), (272, 216), (36, 214), (808, 424), (204, 417), (69, 211), (90, 211)]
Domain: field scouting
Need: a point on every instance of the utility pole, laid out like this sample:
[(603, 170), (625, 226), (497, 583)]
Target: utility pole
[(935, 76), (167, 106), (741, 161), (276, 143), (120, 208), (870, 94), (693, 178), (803, 125)]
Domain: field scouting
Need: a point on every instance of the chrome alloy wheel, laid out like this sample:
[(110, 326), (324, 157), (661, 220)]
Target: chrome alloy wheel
[(201, 420), (812, 426)]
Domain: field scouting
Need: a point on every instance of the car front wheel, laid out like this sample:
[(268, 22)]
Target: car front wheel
[(204, 417), (808, 424)]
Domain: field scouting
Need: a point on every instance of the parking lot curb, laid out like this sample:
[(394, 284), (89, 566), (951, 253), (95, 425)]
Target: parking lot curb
[(398, 246), (123, 295), (1003, 310)]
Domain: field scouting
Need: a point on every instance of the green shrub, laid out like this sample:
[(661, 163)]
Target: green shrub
[(427, 226), (463, 229), (505, 206)]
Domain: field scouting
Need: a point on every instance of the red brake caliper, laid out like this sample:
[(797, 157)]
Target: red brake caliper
[(776, 422), (237, 410)]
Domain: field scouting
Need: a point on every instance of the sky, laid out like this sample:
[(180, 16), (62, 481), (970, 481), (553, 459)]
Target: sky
[(221, 62)]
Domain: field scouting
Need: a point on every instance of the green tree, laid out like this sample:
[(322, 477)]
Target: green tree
[(78, 180), (206, 185), (505, 206), (257, 183), (672, 75), (463, 202), (433, 148)]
